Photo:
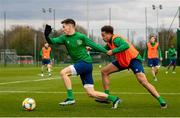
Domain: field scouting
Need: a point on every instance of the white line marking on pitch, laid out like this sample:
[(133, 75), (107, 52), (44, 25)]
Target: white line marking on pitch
[(57, 92), (24, 81), (42, 79)]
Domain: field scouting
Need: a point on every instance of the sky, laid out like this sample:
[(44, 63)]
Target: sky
[(125, 14)]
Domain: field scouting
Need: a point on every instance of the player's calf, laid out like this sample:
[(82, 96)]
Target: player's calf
[(100, 95)]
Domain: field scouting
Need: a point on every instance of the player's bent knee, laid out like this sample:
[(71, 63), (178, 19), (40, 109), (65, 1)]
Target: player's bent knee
[(104, 72), (62, 73)]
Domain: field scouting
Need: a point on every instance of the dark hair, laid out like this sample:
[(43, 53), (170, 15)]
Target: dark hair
[(69, 21), (152, 36), (107, 29)]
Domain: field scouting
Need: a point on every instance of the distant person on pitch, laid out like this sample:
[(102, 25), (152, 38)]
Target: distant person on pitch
[(172, 59), (46, 55), (154, 55)]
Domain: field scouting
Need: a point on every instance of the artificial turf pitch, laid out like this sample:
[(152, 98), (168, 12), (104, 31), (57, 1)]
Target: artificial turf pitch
[(17, 83)]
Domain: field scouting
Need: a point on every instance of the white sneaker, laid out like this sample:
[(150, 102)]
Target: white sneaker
[(166, 72), (42, 75), (155, 79), (49, 74), (67, 102), (116, 103)]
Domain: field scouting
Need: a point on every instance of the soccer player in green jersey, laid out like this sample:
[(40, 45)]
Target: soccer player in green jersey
[(172, 59), (76, 43)]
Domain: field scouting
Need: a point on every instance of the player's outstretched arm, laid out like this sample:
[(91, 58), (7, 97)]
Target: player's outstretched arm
[(94, 46), (106, 47)]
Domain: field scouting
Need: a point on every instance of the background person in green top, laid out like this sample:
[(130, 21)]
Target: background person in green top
[(76, 43), (153, 53), (172, 58)]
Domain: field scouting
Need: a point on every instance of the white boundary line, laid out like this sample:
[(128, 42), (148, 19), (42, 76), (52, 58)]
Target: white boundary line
[(60, 92), (42, 79), (24, 81)]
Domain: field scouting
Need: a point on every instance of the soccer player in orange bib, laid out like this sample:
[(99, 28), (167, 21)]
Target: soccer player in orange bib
[(126, 56), (153, 53), (46, 55)]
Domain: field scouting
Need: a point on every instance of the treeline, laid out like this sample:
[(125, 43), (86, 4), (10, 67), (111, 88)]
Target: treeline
[(23, 38)]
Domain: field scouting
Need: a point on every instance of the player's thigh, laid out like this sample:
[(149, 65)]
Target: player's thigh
[(66, 71), (110, 68)]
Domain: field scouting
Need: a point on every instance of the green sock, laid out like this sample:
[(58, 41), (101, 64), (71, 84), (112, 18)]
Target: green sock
[(106, 91), (161, 100), (70, 94), (112, 98)]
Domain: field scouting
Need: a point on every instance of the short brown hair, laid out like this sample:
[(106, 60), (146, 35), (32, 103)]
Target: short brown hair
[(69, 21), (152, 36), (107, 29)]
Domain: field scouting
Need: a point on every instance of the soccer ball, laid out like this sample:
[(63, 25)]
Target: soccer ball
[(100, 66), (29, 104)]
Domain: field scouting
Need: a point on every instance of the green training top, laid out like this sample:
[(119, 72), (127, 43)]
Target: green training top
[(76, 46), (159, 51), (171, 53), (121, 46)]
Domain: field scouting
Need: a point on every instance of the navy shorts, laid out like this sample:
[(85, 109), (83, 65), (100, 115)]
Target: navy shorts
[(84, 69), (173, 61), (153, 62), (135, 66), (46, 61)]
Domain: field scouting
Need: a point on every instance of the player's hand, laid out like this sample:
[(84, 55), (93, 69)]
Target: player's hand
[(109, 53), (161, 59), (47, 30)]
